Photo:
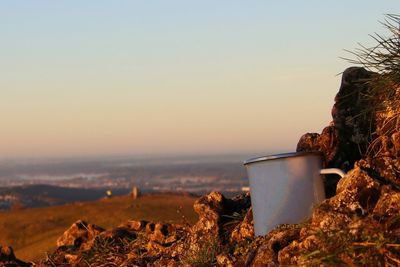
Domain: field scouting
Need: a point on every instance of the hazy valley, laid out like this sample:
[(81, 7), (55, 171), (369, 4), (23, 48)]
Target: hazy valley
[(36, 183)]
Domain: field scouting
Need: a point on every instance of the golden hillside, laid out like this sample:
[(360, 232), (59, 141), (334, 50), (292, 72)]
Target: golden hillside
[(33, 232)]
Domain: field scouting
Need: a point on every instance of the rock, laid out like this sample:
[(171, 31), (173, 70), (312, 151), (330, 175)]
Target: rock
[(154, 248), (267, 254), (80, 235), (388, 204), (71, 258), (396, 143), (291, 254), (330, 216), (386, 169), (347, 138), (326, 143), (150, 228), (308, 142), (208, 229), (210, 232), (325, 222), (225, 260), (212, 210), (365, 189), (209, 208), (6, 254), (135, 225), (7, 258), (245, 229), (160, 232), (118, 233), (61, 256), (238, 203), (165, 234), (352, 115), (356, 194), (166, 262)]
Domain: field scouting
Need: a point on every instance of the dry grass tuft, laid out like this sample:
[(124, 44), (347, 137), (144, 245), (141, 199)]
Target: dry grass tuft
[(384, 59)]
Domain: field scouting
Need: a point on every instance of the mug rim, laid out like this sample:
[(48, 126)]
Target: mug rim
[(280, 156)]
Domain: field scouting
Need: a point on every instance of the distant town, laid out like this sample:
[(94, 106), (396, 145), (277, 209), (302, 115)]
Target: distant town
[(33, 183)]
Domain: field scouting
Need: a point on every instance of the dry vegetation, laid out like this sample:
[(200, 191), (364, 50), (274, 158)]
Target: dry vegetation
[(384, 60), (33, 232)]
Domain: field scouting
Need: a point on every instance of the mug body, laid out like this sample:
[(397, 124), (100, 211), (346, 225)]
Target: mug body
[(284, 188)]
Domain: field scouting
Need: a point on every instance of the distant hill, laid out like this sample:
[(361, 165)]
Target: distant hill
[(48, 195), (33, 232)]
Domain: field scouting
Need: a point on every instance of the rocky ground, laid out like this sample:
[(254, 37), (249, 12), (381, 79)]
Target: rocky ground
[(357, 225)]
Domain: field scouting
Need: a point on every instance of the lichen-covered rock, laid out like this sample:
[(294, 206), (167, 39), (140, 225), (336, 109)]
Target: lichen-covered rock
[(8, 259), (160, 233), (244, 229), (352, 115), (326, 143), (328, 217), (213, 230), (395, 138), (267, 254), (118, 232), (292, 254), (356, 186), (387, 169), (134, 225), (225, 260), (212, 210), (6, 254), (165, 262), (63, 255), (359, 180), (308, 142), (80, 235), (209, 208), (344, 141), (347, 138), (352, 218), (388, 204)]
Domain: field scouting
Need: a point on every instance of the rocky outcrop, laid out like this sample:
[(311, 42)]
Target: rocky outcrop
[(346, 139), (244, 229), (135, 243), (215, 212), (363, 208), (7, 258), (80, 235), (267, 253), (141, 243)]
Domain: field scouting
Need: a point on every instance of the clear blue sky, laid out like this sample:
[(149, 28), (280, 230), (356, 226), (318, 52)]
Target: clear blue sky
[(159, 77)]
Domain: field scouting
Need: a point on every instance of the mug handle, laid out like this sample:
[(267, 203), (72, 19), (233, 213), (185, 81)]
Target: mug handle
[(333, 171)]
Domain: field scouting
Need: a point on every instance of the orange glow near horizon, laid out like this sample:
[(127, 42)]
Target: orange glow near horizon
[(171, 78)]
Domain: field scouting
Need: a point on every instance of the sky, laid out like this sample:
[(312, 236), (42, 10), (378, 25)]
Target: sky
[(157, 77)]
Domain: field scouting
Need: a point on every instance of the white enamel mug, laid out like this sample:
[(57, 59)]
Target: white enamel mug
[(285, 187)]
